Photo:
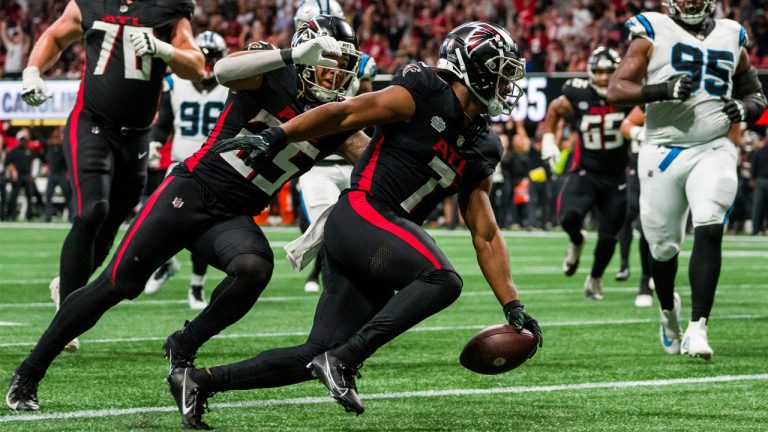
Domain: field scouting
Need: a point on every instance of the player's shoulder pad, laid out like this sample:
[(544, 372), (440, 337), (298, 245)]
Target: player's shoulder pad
[(419, 79), (367, 69), (259, 46), (733, 26), (573, 86), (183, 8), (489, 145), (644, 25)]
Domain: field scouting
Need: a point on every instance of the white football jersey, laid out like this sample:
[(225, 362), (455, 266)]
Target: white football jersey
[(711, 61), (194, 114)]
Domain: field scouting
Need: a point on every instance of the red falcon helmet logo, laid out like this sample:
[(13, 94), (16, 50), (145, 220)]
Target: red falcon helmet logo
[(482, 34)]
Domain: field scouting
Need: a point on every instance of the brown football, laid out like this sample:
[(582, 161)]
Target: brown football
[(498, 349)]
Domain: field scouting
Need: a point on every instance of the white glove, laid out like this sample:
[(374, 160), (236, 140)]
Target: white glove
[(34, 91), (154, 154), (310, 53), (549, 150), (147, 44)]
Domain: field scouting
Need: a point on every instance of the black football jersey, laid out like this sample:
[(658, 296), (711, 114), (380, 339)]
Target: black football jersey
[(602, 149), (412, 166), (244, 189), (118, 86)]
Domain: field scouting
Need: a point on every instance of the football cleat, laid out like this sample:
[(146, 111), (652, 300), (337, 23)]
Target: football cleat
[(178, 356), (670, 331), (573, 255), (622, 275), (695, 342), (74, 344), (339, 379), (645, 294), (190, 399), (22, 393), (311, 286), (161, 276), (196, 298), (592, 288)]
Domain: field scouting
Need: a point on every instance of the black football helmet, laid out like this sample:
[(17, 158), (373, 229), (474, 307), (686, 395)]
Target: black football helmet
[(337, 28), (600, 61), (214, 49), (691, 11), (486, 57)]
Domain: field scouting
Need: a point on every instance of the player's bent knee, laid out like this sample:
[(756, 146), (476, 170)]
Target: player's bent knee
[(95, 213), (570, 219), (448, 282), (256, 269), (664, 251)]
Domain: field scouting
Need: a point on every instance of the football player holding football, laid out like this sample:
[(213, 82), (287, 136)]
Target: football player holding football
[(431, 141)]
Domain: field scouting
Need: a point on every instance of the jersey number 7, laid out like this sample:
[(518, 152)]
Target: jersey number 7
[(111, 33)]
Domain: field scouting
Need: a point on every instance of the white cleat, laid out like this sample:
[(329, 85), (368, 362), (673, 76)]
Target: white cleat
[(592, 288), (695, 342), (670, 331), (573, 255), (312, 286), (74, 344), (161, 276), (643, 300), (196, 298)]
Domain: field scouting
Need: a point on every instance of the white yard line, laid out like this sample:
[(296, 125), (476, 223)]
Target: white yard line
[(400, 395), (489, 293), (415, 329), (10, 324)]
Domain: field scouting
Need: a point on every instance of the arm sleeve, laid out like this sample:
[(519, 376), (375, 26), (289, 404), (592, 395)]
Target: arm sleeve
[(164, 124)]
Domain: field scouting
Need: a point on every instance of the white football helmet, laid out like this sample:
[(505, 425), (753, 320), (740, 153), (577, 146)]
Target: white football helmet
[(309, 9)]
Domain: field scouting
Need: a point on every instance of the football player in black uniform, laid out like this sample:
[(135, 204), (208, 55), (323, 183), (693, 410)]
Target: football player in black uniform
[(128, 44), (597, 176), (430, 142), (206, 203)]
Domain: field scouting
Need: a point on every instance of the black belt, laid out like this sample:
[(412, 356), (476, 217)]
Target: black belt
[(101, 122)]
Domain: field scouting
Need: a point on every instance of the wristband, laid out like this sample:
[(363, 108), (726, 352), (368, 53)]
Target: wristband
[(287, 56), (509, 307), (654, 92)]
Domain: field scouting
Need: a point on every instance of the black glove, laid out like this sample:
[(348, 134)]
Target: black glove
[(676, 88), (735, 110), (517, 317), (254, 145)]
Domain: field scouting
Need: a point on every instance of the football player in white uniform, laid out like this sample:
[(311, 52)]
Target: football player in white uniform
[(189, 111), (693, 73), (321, 186)]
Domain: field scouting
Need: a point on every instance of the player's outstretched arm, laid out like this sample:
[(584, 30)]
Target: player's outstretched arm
[(492, 254), (63, 32), (186, 60)]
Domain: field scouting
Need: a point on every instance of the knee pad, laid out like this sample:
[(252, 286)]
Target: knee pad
[(570, 219), (255, 269), (95, 213), (664, 251), (448, 281)]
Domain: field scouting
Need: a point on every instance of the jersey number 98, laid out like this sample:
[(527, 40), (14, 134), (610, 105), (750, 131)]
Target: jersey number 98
[(196, 119)]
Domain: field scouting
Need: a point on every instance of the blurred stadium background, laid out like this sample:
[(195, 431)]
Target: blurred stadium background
[(600, 369)]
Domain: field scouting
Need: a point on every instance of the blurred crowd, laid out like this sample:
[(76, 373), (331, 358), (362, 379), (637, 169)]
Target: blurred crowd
[(555, 36)]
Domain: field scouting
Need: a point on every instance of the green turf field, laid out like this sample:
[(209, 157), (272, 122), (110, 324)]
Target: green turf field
[(601, 368)]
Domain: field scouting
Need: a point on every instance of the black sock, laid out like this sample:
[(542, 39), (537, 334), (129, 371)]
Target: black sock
[(231, 300), (704, 268), (202, 378), (645, 256), (79, 312), (625, 243), (663, 273), (77, 257), (604, 249)]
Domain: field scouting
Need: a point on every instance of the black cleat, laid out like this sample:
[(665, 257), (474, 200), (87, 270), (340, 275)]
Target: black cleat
[(340, 380), (190, 399), (178, 356), (22, 393)]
